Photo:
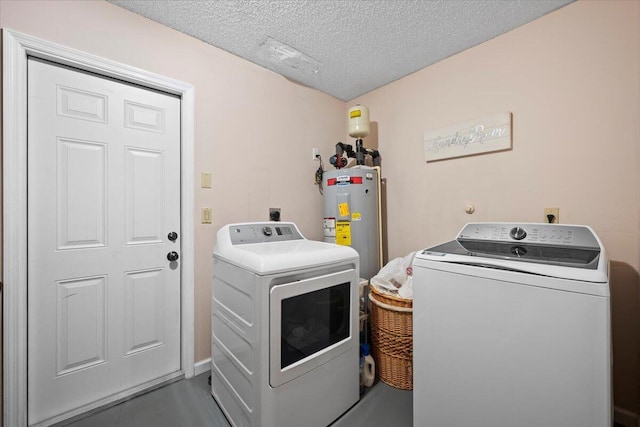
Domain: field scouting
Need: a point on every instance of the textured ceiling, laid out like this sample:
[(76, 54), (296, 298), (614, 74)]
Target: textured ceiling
[(343, 47)]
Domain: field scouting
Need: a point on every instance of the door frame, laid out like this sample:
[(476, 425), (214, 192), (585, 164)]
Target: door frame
[(16, 48)]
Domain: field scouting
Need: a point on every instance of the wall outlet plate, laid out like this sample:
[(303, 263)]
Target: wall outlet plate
[(274, 214), (551, 211)]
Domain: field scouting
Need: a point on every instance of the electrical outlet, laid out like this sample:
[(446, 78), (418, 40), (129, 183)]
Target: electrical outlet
[(315, 153), (555, 219), (274, 214)]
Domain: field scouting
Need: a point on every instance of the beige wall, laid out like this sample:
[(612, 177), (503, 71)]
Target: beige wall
[(254, 130), (571, 80)]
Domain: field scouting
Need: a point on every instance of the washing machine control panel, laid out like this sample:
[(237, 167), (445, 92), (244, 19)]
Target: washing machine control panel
[(548, 234), (241, 234)]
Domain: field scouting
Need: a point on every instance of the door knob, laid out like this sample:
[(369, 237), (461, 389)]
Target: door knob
[(172, 256), (172, 236)]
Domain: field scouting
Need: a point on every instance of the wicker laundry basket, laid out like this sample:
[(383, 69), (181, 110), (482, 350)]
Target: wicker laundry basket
[(392, 338)]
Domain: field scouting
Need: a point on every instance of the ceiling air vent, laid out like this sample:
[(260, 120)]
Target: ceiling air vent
[(288, 58)]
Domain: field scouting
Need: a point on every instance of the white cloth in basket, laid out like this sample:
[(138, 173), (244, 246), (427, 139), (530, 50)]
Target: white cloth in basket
[(396, 277)]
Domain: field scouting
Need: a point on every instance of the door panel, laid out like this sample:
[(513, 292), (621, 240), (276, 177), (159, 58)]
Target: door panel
[(144, 204), (81, 324), (103, 193), (144, 310), (82, 194)]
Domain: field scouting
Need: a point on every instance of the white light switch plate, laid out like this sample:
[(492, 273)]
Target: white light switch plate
[(205, 180)]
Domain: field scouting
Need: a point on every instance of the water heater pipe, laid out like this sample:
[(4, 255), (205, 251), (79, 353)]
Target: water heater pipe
[(379, 184)]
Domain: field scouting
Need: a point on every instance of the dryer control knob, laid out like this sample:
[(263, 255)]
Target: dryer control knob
[(267, 231), (518, 233)]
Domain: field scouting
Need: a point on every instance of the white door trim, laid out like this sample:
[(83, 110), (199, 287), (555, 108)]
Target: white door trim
[(16, 48)]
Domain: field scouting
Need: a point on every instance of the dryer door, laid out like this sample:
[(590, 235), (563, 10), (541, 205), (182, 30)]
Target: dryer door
[(311, 322)]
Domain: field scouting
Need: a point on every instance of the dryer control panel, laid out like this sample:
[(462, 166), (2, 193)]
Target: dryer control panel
[(241, 234)]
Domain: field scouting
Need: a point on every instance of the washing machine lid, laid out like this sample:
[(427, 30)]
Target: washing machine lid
[(274, 247), (564, 251)]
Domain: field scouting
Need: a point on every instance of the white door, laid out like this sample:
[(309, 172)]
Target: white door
[(103, 196)]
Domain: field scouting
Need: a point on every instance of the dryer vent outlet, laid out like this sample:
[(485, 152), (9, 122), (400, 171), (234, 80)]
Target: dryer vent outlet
[(274, 214)]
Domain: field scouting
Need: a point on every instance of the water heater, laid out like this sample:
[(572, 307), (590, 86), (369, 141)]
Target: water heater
[(352, 213)]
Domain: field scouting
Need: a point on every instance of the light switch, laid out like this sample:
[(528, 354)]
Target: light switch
[(205, 180), (206, 215)]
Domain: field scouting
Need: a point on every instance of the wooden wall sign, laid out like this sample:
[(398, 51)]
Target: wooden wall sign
[(483, 135)]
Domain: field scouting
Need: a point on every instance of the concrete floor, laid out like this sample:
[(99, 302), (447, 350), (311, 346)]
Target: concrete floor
[(381, 405), (188, 403), (185, 403)]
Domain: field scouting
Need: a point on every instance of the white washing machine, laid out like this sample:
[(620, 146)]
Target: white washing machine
[(285, 330), (512, 328)]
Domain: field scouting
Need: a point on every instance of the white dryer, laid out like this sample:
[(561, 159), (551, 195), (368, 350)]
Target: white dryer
[(284, 327), (512, 328)]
